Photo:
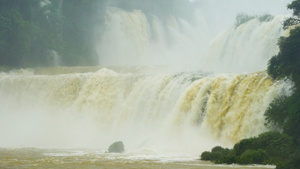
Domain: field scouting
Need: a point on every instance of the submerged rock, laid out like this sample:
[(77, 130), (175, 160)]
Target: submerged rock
[(116, 147)]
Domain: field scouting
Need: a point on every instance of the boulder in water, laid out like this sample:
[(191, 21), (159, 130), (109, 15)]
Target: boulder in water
[(116, 147)]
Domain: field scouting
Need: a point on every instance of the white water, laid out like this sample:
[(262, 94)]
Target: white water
[(155, 113), (246, 48), (186, 112), (131, 38)]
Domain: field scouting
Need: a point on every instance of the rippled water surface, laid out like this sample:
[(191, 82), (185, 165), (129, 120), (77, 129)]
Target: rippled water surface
[(21, 158)]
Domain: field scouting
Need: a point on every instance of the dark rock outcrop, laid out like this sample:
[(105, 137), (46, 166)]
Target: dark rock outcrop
[(116, 147)]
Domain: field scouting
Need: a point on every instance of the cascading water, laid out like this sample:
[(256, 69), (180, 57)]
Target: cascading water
[(131, 38), (152, 109), (144, 110), (246, 47)]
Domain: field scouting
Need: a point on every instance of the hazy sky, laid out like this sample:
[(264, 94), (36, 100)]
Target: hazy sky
[(249, 6), (222, 13)]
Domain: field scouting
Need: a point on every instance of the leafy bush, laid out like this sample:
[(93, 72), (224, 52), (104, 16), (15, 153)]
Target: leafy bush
[(265, 18), (219, 155), (268, 148), (243, 18), (216, 157), (230, 158), (220, 150), (253, 157), (281, 149), (285, 113), (244, 145), (206, 156), (287, 62), (295, 6), (292, 163)]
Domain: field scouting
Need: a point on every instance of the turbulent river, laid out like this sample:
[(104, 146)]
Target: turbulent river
[(164, 119), (63, 117), (29, 158)]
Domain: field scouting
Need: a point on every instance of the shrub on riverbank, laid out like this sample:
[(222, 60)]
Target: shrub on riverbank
[(268, 148), (281, 149)]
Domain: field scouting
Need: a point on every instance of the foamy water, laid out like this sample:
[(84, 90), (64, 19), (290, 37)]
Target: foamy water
[(83, 158), (213, 91), (181, 112)]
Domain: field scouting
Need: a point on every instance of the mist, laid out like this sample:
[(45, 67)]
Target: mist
[(173, 33), (203, 80), (182, 38)]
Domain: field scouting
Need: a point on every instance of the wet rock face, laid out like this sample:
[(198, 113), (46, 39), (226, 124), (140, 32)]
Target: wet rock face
[(116, 147)]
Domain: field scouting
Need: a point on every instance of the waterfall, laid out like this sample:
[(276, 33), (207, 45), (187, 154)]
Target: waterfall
[(245, 48), (149, 107), (54, 58), (131, 38), (145, 110)]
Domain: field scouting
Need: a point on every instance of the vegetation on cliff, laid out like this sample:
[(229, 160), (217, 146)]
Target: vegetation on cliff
[(282, 145), (63, 32)]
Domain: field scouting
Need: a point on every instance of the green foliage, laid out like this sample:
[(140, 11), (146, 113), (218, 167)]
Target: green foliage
[(281, 149), (220, 150), (243, 18), (290, 22), (206, 156), (31, 29), (276, 145), (81, 18), (292, 163), (253, 157), (243, 145), (286, 63), (211, 156), (230, 158), (276, 114), (14, 36), (28, 31), (295, 6), (285, 113), (219, 155), (267, 148), (265, 18)]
